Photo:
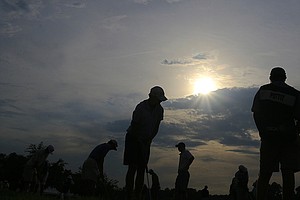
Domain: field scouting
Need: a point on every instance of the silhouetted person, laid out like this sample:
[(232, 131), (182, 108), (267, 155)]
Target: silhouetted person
[(233, 189), (92, 169), (254, 190), (65, 186), (297, 193), (144, 126), (32, 166), (275, 109), (205, 193), (242, 177), (43, 173), (275, 192), (155, 187), (183, 177)]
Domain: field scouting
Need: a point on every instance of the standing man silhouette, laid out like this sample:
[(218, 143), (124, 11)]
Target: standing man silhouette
[(144, 126), (183, 177), (276, 111)]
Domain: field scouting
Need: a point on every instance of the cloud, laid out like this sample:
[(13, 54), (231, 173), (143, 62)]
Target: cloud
[(9, 30), (20, 9), (199, 58), (145, 2), (173, 1), (113, 23), (175, 62), (76, 5)]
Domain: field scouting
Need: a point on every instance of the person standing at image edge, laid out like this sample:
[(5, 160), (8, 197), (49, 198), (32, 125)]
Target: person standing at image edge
[(276, 112)]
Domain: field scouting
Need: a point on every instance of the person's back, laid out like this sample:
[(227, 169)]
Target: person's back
[(275, 111), (276, 108)]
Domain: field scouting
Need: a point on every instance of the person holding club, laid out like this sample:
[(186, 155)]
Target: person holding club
[(143, 128)]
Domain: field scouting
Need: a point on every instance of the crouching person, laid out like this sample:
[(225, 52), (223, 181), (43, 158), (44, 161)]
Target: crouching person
[(92, 169)]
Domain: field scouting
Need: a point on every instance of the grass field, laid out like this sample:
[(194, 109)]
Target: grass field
[(11, 195)]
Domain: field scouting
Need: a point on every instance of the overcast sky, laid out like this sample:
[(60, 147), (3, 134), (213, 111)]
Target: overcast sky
[(73, 71)]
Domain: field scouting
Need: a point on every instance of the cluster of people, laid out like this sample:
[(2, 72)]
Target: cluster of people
[(144, 126), (276, 112)]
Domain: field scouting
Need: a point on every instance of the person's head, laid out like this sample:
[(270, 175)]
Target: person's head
[(277, 74), (242, 168), (49, 149), (113, 144), (157, 94), (180, 146)]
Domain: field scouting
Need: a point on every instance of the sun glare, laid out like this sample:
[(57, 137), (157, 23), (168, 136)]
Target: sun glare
[(204, 86)]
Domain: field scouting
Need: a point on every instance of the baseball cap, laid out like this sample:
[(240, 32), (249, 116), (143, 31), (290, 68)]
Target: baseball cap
[(180, 144), (114, 143), (158, 92)]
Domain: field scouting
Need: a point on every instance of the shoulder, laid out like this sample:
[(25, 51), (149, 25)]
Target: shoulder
[(187, 153), (142, 105)]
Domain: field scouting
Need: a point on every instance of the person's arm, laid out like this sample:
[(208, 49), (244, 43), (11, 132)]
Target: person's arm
[(135, 121), (189, 162), (297, 114), (100, 168), (191, 159)]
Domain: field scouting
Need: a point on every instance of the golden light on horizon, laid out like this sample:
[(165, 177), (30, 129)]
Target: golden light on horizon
[(204, 85)]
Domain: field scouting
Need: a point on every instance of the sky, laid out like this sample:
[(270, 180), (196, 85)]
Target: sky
[(72, 72)]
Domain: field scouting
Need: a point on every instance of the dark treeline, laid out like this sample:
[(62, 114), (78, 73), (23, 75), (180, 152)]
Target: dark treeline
[(11, 169)]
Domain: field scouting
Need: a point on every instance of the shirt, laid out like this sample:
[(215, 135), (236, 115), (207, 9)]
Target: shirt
[(99, 152), (185, 160), (145, 120), (276, 106)]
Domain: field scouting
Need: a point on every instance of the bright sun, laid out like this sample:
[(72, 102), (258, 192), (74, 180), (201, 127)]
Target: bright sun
[(204, 86)]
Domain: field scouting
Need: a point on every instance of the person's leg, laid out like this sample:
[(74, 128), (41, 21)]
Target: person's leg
[(139, 181), (130, 180), (288, 184), (262, 185)]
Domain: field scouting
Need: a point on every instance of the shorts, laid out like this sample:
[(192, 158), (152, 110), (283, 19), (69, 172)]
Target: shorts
[(136, 152), (273, 153)]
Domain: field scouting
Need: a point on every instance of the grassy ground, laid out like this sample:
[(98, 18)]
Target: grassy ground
[(11, 195)]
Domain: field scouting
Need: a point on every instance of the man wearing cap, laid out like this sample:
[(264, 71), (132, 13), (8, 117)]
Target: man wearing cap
[(33, 165), (276, 112), (92, 169), (183, 177), (143, 128)]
